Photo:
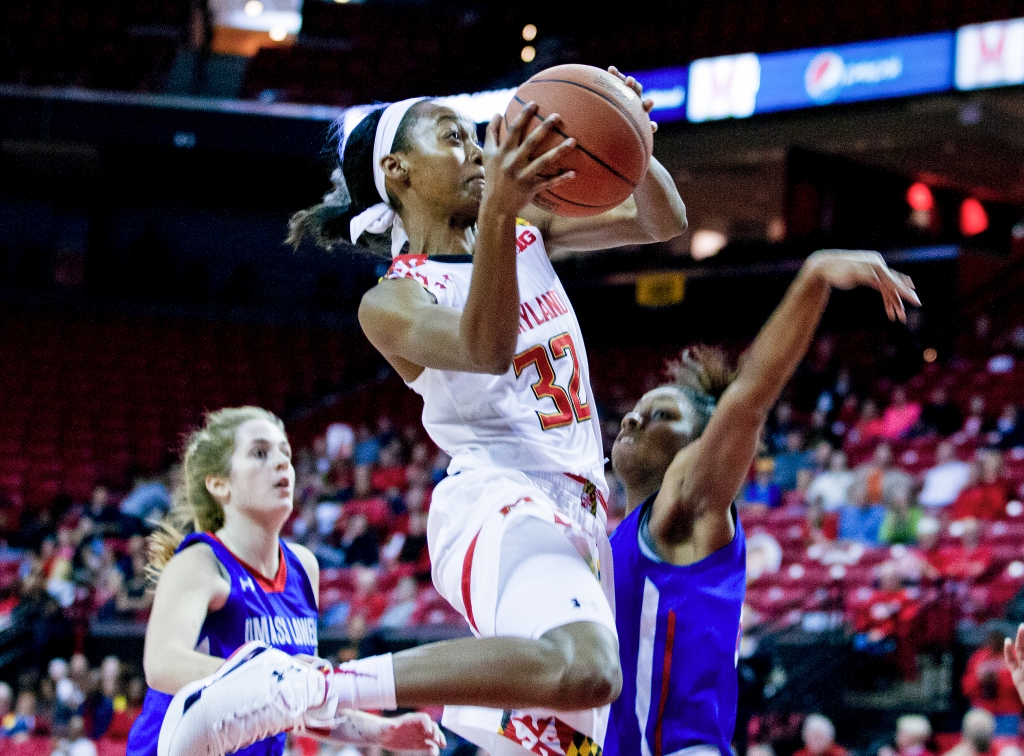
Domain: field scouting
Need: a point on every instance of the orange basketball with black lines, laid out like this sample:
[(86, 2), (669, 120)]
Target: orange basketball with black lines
[(612, 132)]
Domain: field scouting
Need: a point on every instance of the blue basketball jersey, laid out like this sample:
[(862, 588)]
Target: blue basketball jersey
[(679, 632), (283, 614)]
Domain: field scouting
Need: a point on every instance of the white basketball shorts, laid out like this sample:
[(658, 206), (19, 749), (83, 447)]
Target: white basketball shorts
[(518, 555)]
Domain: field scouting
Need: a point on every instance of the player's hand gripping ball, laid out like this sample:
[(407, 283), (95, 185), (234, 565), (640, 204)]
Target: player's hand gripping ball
[(606, 114)]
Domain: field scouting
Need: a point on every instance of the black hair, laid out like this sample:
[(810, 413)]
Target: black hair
[(702, 373), (327, 223)]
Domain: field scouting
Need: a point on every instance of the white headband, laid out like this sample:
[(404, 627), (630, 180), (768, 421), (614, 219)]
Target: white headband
[(380, 217)]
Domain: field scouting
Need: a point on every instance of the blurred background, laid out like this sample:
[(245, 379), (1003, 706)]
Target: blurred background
[(152, 151)]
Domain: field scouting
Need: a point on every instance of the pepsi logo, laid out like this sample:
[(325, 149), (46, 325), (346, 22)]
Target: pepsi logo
[(828, 74), (824, 75)]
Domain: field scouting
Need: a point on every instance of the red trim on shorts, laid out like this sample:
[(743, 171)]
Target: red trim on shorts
[(467, 568), (666, 671), (584, 481), (269, 586)]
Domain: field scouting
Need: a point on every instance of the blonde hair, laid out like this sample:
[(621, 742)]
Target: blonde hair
[(207, 452)]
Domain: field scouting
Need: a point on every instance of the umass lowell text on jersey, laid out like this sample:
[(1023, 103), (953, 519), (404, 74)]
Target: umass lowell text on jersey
[(282, 614)]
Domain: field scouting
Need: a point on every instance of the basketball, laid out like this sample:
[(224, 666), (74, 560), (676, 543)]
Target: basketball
[(612, 132)]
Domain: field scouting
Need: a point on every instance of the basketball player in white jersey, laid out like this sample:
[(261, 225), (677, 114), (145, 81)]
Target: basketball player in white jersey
[(472, 316)]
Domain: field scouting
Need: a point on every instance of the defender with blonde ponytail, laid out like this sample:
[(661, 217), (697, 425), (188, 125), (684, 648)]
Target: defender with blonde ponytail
[(228, 588), (193, 508)]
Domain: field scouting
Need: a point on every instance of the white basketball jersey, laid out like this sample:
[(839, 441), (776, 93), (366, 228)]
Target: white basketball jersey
[(537, 417)]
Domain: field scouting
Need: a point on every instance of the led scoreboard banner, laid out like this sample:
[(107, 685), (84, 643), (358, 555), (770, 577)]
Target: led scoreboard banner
[(990, 55), (739, 86)]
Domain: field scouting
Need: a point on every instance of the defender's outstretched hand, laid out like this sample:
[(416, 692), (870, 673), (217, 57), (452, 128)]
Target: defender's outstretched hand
[(847, 269), (1013, 652)]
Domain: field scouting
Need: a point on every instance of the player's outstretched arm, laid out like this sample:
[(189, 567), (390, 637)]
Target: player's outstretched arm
[(400, 318), (705, 477), (1013, 652), (190, 586), (409, 732), (654, 213)]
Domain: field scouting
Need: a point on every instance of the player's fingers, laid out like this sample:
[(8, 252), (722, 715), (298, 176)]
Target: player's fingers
[(654, 127), (1008, 654), (491, 137), (554, 181), (550, 158), (904, 286), (518, 126), (1018, 648), (533, 141)]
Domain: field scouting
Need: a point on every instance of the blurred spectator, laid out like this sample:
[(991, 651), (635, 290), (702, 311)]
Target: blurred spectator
[(984, 497), (6, 702), (1009, 429), (944, 482), (940, 416), (368, 603), (99, 706), (884, 620), (762, 491), (900, 416), (792, 459), (819, 737), (760, 749), (127, 709), (414, 546), (987, 684), (901, 519), (359, 543), (819, 431), (390, 472), (975, 424), (367, 447), (869, 425), (880, 478), (831, 487), (821, 526), (976, 734), (105, 515), (913, 732), (860, 521), (779, 426), (968, 560), (764, 556), (148, 499), (23, 723), (403, 604), (76, 743)]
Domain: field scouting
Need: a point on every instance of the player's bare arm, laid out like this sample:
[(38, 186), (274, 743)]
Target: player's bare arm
[(691, 513), (402, 320), (654, 213), (190, 587), (1013, 652)]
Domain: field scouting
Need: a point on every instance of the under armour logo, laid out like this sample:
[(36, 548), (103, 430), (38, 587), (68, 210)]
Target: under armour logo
[(575, 602), (247, 584), (278, 675)]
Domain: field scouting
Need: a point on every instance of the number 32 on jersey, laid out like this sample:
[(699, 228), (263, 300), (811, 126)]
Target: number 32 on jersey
[(568, 403)]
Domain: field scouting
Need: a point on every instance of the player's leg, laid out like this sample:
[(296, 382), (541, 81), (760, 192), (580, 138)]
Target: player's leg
[(561, 653), (556, 645)]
